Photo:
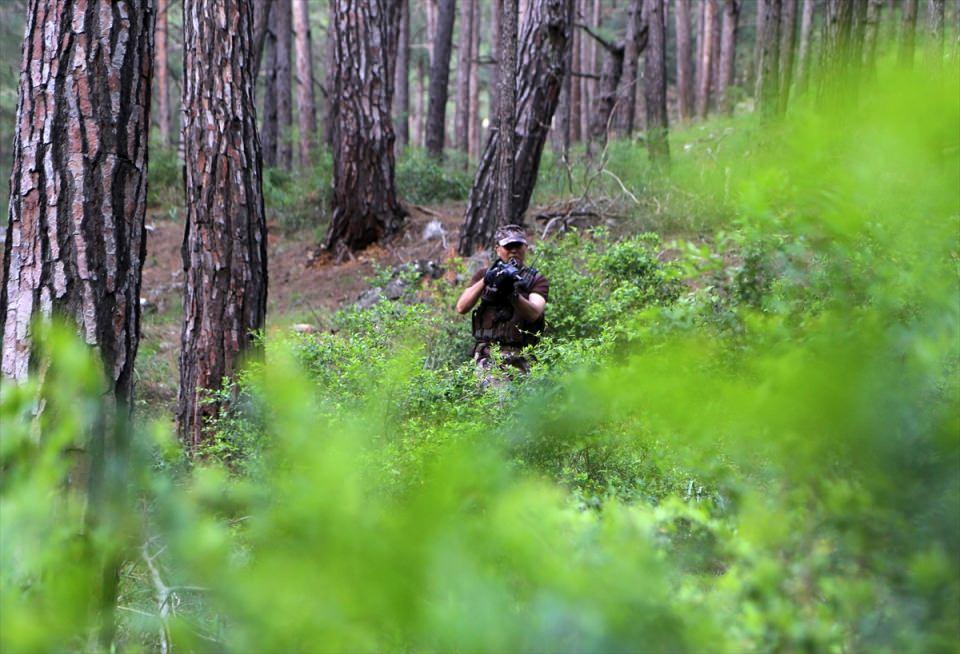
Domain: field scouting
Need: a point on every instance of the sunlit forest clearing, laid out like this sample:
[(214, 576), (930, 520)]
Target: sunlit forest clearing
[(246, 408)]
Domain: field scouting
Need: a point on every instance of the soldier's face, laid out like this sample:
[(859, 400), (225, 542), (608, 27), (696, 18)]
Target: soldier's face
[(512, 251)]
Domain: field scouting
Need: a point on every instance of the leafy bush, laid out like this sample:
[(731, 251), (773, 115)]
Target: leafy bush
[(299, 199), (421, 179), (164, 177)]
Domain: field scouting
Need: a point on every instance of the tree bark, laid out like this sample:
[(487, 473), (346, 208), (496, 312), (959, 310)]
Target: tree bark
[(401, 100), (935, 20), (473, 151), (908, 30), (576, 98), (330, 66), (496, 12), (269, 131), (365, 206), (586, 68), (225, 241), (717, 28), (788, 39), (162, 75), (635, 42), (507, 111), (872, 31), (75, 239), (420, 120), (706, 54), (306, 102), (768, 69), (803, 55), (462, 110), (439, 79), (539, 74), (655, 83), (284, 88), (261, 22), (728, 54), (605, 98), (684, 61)]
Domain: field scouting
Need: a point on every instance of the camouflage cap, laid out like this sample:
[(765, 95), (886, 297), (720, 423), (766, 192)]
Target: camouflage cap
[(510, 234)]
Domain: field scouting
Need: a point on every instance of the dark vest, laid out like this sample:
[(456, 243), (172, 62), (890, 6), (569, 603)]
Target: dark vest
[(498, 322)]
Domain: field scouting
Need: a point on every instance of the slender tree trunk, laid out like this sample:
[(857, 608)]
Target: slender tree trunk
[(655, 83), (462, 110), (872, 31), (75, 242), (576, 97), (803, 56), (439, 77), (270, 129), (539, 73), (715, 43), (728, 53), (634, 44), (306, 103), (496, 12), (162, 75), (605, 99), (507, 111), (757, 41), (908, 30), (420, 121), (586, 67), (561, 124), (225, 241), (935, 21), (330, 67), (705, 66), (365, 206), (473, 151), (401, 100), (768, 70), (787, 43), (284, 86), (684, 62), (261, 22)]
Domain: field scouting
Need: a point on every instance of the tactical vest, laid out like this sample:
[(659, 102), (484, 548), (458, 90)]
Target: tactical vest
[(498, 322)]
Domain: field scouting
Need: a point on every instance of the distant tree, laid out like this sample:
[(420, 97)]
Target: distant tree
[(330, 72), (655, 82), (507, 111), (306, 102), (874, 12), (284, 83), (161, 74), (685, 78), (576, 86), (908, 31), (605, 97), (75, 241), (803, 54), (935, 21), (728, 53), (475, 129), (635, 41), (270, 125), (705, 64), (788, 40), (365, 205), (461, 123), (261, 23), (225, 241), (768, 68), (401, 99), (439, 78), (539, 72)]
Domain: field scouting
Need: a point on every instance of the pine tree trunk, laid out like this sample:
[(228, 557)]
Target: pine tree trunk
[(270, 129), (546, 38), (728, 53), (225, 241), (788, 39), (757, 42), (495, 15), (261, 22), (935, 21), (330, 66), (706, 54), (803, 54), (284, 88), (161, 74), (586, 67), (716, 26), (439, 79), (306, 102), (507, 111), (365, 206), (401, 99), (75, 242), (420, 114), (655, 83), (576, 99), (908, 31), (474, 132), (768, 68), (684, 61), (462, 110), (872, 31), (605, 99), (635, 42)]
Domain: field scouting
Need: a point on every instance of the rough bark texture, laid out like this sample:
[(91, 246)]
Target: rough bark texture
[(270, 127), (439, 78), (461, 118), (261, 22), (908, 31), (605, 98), (728, 54), (768, 68), (284, 86), (706, 57), (546, 37), (75, 241), (306, 102), (576, 99), (225, 240), (803, 53), (655, 82), (365, 206), (634, 43), (684, 60), (586, 68), (401, 99), (161, 74), (788, 31), (561, 121), (507, 111)]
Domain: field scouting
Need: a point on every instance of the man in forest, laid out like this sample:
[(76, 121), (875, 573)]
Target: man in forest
[(512, 298)]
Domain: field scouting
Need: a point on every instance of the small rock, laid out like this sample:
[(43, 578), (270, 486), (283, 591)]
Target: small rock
[(394, 289), (369, 297), (434, 230)]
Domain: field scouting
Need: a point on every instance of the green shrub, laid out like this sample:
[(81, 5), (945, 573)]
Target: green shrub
[(422, 180), (164, 178), (300, 198)]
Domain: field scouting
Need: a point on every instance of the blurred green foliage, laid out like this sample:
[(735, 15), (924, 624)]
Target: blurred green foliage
[(748, 440), (423, 180)]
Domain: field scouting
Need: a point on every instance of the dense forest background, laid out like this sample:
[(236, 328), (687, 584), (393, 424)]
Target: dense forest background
[(741, 429)]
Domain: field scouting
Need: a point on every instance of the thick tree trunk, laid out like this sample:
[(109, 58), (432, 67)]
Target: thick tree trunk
[(507, 111), (306, 102), (605, 98), (803, 54), (473, 150), (225, 241), (461, 118), (706, 55), (161, 74), (561, 121), (539, 74), (684, 61), (284, 88), (439, 79), (655, 83), (768, 68), (270, 129), (908, 31), (75, 239), (636, 41), (728, 54), (401, 99), (788, 31), (261, 22), (365, 206)]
